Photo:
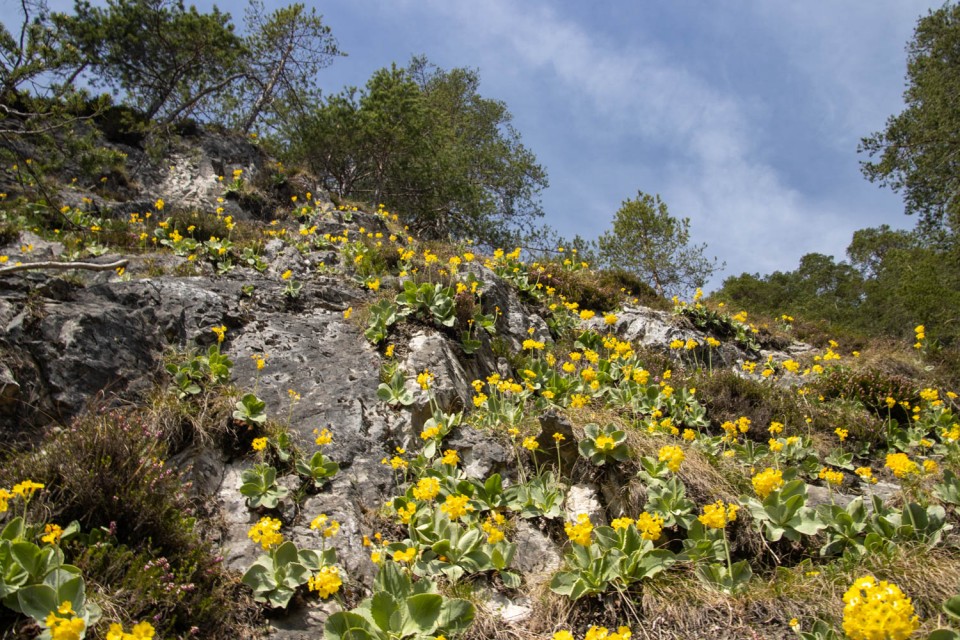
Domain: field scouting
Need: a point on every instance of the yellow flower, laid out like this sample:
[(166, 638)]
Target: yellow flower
[(563, 635), (221, 332), (558, 438), (389, 350), (673, 456), (426, 489), (347, 313), (604, 442), (5, 500), (158, 205), (429, 433), (52, 533), (407, 512), (717, 515), (900, 464), (326, 583), (405, 556), (450, 457), (259, 444), (649, 525), (610, 318), (767, 481), (286, 274), (831, 477), (266, 532), (323, 437), (621, 523), (930, 466), (841, 433), (530, 344), (877, 610), (26, 489), (578, 401), (530, 444), (580, 531), (456, 506), (424, 379)]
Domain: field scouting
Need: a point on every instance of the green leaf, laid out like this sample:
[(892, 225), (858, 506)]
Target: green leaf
[(13, 530), (511, 580), (422, 612), (37, 601), (345, 625), (952, 607), (455, 615), (382, 607)]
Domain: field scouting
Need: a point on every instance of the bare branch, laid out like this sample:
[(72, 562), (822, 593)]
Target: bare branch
[(64, 266)]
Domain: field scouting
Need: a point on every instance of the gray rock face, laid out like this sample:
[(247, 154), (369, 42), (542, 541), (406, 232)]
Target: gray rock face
[(537, 556)]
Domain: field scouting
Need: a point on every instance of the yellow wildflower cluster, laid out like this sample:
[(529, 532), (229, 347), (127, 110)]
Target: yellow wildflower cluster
[(649, 525), (426, 489), (325, 526), (493, 527), (425, 379), (407, 555), (580, 531), (407, 512), (23, 490), (259, 444), (717, 515), (64, 624), (877, 610), (323, 437), (456, 506), (326, 583), (673, 456), (52, 533), (140, 631), (865, 474), (831, 477), (450, 457), (266, 532), (603, 442), (901, 465), (26, 489), (921, 333), (732, 428), (531, 344), (767, 481)]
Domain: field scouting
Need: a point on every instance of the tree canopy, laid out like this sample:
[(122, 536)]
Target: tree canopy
[(918, 153), (424, 142), (648, 241)]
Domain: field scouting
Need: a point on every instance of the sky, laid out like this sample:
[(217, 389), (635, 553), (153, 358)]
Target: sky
[(744, 116)]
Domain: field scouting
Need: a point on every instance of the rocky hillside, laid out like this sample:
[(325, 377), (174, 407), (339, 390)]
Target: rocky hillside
[(279, 416)]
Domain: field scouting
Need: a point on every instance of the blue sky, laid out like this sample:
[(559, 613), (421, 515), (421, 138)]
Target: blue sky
[(744, 115)]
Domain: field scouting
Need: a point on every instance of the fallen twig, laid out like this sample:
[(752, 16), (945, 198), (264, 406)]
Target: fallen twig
[(63, 266)]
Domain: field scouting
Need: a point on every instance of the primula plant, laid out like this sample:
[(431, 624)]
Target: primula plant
[(260, 487), (276, 575), (618, 555), (781, 510), (401, 609), (603, 444)]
